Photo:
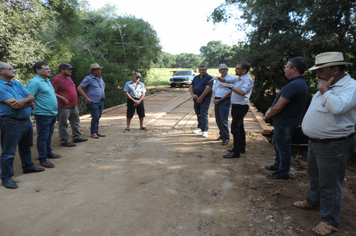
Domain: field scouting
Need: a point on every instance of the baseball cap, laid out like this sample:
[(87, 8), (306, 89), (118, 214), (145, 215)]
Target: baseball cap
[(65, 66)]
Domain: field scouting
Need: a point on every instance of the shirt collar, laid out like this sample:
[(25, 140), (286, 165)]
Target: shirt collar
[(4, 82), (294, 78), (341, 82)]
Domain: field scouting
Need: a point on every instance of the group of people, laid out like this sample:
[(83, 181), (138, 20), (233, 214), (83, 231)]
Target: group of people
[(228, 91), (329, 122), (51, 100)]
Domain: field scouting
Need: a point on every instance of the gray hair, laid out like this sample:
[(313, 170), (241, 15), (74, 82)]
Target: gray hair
[(202, 66), (223, 64), (2, 66)]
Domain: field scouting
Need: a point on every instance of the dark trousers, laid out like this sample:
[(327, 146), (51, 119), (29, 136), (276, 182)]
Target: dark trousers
[(238, 113), (45, 128), (326, 170), (96, 109), (15, 133)]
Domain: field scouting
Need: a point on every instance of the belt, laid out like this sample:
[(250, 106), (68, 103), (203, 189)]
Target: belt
[(14, 118), (315, 140), (238, 105), (221, 98)]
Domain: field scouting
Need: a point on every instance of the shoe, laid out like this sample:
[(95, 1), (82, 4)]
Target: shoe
[(9, 184), (232, 155), (78, 140), (230, 150), (218, 139), (52, 155), (197, 131), (68, 144), (278, 177), (94, 136), (33, 170), (46, 163), (100, 135), (225, 142), (205, 134), (271, 168)]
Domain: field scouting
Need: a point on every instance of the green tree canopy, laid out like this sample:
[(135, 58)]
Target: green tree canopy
[(282, 29), (216, 53)]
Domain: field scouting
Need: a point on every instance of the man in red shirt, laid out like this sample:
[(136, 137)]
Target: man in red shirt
[(67, 97)]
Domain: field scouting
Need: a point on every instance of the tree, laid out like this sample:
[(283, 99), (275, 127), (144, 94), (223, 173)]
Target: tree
[(216, 53), (187, 60), (283, 29)]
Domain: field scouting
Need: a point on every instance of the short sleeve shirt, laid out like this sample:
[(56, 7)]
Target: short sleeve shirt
[(94, 88), (220, 92), (17, 91), (45, 98), (199, 85), (135, 91), (66, 88), (296, 91)]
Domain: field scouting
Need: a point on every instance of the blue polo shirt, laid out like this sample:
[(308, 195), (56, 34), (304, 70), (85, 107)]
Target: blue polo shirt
[(17, 91), (45, 98), (296, 91), (135, 91), (94, 88), (199, 85)]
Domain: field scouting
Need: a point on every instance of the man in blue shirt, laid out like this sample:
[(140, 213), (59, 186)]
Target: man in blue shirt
[(45, 112), (287, 112), (135, 92), (15, 125), (222, 106), (200, 90), (94, 96)]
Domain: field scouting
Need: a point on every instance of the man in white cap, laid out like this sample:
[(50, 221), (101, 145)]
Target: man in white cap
[(135, 92), (94, 96), (329, 124)]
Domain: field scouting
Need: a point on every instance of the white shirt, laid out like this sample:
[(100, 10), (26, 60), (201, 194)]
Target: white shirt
[(333, 114), (245, 83), (220, 92)]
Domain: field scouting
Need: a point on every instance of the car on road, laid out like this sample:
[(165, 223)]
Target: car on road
[(182, 77)]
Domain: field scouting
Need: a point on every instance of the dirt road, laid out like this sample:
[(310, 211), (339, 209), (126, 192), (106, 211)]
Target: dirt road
[(166, 181)]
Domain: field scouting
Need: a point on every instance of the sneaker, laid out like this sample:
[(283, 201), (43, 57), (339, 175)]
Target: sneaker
[(271, 168), (197, 131), (47, 164), (205, 134)]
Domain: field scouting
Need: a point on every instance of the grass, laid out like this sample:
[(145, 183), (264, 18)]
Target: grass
[(161, 76)]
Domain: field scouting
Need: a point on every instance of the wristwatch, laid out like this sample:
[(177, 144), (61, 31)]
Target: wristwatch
[(231, 86)]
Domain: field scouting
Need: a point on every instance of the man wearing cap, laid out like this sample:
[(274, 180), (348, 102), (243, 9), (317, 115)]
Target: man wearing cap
[(67, 98), (329, 124), (15, 125), (222, 106), (287, 112), (45, 112), (94, 96), (200, 90), (135, 92)]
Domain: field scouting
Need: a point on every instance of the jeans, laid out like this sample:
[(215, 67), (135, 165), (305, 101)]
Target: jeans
[(65, 114), (45, 128), (326, 170), (201, 110), (282, 137), (15, 133), (238, 113), (222, 118), (96, 109)]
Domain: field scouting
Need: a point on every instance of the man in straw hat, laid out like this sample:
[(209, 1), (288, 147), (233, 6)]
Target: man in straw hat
[(329, 124), (94, 96)]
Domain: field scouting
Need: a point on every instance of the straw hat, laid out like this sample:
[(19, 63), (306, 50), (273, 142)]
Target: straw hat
[(94, 66), (327, 59)]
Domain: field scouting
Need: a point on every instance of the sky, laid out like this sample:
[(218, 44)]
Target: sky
[(181, 25)]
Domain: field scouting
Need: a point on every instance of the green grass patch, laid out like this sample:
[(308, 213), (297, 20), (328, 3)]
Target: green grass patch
[(161, 76)]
